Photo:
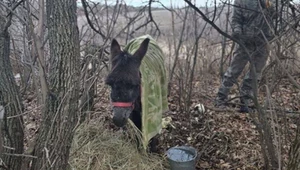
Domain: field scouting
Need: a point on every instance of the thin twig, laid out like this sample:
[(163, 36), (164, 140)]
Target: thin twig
[(84, 4), (20, 155), (13, 12), (207, 144), (24, 113)]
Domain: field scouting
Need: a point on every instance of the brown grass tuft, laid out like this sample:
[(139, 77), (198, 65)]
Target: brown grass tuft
[(95, 147)]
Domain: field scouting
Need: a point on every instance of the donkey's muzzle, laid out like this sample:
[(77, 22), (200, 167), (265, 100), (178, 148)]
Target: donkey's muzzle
[(121, 115)]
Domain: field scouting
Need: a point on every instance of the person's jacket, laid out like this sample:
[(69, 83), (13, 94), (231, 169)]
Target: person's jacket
[(252, 20)]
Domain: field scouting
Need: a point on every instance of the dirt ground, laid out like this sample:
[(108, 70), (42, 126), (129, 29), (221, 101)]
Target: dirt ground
[(228, 139), (223, 139)]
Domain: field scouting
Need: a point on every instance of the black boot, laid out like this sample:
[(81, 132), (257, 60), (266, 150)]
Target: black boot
[(245, 106), (221, 102)]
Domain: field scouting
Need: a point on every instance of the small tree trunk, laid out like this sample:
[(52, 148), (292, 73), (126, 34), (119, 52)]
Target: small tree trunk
[(60, 115), (11, 125), (294, 155)]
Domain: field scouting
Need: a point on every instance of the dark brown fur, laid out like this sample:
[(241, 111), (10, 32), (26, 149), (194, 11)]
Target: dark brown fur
[(125, 81)]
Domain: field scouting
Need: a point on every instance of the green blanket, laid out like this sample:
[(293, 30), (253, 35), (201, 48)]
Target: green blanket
[(154, 87)]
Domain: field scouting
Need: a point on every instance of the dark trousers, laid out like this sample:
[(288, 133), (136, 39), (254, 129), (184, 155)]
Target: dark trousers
[(259, 55)]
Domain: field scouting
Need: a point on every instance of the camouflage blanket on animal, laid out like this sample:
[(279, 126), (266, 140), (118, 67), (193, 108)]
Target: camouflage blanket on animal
[(154, 87)]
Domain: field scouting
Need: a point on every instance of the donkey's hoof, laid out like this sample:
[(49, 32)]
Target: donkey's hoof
[(153, 145)]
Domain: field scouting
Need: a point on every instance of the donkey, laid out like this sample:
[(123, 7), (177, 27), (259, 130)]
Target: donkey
[(125, 82)]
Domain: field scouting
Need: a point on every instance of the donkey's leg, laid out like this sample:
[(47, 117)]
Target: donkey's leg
[(153, 144), (136, 119)]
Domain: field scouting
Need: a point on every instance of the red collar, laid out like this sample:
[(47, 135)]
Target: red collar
[(123, 104)]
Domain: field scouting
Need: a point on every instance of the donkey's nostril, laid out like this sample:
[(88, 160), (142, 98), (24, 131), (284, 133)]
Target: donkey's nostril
[(121, 115)]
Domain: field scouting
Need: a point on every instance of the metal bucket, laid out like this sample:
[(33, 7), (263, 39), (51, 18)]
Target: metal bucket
[(182, 158)]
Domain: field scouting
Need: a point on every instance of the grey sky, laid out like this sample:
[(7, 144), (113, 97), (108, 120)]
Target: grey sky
[(176, 3)]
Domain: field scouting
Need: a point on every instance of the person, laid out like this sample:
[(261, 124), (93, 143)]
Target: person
[(252, 26)]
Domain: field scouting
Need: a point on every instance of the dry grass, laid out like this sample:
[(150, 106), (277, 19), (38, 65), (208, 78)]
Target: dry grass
[(95, 147)]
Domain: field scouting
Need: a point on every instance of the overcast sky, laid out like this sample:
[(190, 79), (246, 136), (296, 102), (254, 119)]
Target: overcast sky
[(181, 3), (176, 3)]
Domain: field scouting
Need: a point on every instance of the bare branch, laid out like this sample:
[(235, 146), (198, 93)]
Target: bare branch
[(151, 17), (84, 4)]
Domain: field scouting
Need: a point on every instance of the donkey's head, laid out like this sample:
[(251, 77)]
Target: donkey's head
[(124, 80)]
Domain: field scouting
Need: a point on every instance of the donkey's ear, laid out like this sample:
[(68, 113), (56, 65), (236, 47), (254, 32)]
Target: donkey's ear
[(140, 53), (115, 49)]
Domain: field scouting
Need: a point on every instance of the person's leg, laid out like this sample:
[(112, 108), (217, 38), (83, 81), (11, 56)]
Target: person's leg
[(236, 67), (260, 57)]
